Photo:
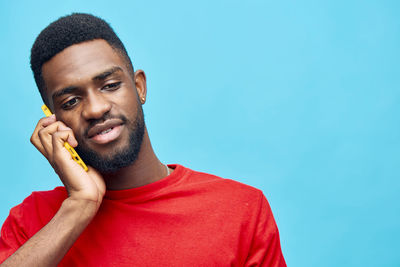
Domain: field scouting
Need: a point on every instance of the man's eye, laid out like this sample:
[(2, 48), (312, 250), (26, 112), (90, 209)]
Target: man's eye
[(112, 86), (70, 103)]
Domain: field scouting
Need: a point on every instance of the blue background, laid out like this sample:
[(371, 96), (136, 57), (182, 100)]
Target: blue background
[(298, 98)]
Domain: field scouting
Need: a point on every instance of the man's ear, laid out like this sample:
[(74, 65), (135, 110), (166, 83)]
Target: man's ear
[(141, 86)]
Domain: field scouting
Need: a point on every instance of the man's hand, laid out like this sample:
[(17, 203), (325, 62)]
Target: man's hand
[(85, 191), (49, 137)]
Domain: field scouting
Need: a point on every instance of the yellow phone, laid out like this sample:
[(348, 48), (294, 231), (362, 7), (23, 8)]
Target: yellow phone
[(70, 149)]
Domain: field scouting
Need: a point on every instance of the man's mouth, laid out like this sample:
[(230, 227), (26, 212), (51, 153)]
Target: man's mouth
[(106, 132)]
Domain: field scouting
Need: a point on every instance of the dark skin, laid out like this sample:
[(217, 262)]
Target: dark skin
[(84, 82), (89, 92)]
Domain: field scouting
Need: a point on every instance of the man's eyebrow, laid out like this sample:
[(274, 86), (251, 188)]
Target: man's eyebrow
[(64, 91), (101, 76), (106, 73)]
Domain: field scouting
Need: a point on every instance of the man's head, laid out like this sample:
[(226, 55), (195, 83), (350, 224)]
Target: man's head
[(86, 78), (66, 31)]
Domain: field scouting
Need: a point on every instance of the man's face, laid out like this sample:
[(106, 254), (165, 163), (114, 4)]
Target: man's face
[(91, 90)]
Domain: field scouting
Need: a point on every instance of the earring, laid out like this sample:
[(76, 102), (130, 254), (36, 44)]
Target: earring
[(143, 99)]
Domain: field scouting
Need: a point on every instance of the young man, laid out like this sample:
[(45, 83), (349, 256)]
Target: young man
[(129, 209)]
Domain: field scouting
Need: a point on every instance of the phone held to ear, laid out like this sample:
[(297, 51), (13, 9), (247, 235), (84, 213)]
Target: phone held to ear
[(70, 149)]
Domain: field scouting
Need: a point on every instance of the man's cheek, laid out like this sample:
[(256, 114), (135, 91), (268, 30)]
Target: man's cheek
[(80, 139)]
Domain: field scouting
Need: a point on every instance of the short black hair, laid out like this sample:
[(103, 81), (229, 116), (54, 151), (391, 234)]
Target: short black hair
[(66, 31)]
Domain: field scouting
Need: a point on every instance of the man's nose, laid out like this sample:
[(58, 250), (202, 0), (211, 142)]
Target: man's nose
[(95, 106)]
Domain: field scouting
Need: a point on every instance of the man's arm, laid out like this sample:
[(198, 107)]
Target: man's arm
[(85, 193), (48, 246)]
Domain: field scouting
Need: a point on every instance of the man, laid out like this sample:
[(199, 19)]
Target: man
[(128, 209)]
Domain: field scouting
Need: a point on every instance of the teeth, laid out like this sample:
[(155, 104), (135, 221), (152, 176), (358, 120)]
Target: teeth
[(106, 131)]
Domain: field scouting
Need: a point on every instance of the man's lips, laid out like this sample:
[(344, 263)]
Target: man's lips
[(105, 132)]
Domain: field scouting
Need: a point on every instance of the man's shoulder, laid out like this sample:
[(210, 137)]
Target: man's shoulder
[(41, 201), (58, 194), (224, 187), (223, 198), (36, 209)]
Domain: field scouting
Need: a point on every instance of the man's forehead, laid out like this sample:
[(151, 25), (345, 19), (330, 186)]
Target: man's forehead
[(80, 63)]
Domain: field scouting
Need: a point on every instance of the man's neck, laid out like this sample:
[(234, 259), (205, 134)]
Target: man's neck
[(146, 169)]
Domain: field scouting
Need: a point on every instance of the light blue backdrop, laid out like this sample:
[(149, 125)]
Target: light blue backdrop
[(298, 98)]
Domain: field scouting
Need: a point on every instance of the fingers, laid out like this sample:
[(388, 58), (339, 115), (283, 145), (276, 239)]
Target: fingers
[(35, 140), (71, 137), (59, 153), (47, 134), (42, 137)]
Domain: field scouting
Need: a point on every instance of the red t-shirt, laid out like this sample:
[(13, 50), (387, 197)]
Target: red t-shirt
[(186, 219)]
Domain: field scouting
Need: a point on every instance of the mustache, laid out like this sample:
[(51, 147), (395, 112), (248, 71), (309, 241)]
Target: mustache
[(106, 116)]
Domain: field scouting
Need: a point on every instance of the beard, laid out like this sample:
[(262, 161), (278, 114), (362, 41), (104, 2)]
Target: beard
[(122, 157)]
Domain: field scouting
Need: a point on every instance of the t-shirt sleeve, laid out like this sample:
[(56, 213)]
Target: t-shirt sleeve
[(265, 248), (26, 219), (12, 234)]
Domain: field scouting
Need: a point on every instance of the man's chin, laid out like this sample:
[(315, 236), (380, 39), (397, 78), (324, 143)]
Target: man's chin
[(111, 159), (108, 163)]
